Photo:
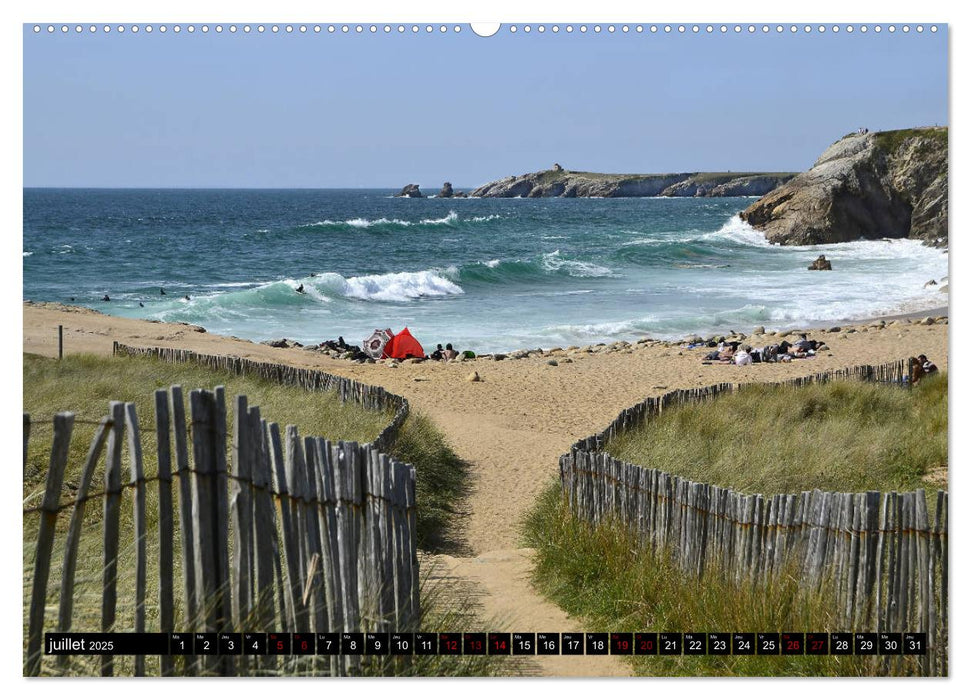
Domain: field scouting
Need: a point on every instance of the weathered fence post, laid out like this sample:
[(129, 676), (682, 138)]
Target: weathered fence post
[(112, 506), (63, 426)]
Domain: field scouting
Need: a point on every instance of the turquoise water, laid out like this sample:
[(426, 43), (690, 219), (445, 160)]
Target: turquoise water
[(486, 274)]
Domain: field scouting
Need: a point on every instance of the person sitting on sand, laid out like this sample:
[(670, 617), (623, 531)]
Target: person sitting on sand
[(437, 355), (727, 353), (449, 353), (803, 345), (928, 366), (742, 357)]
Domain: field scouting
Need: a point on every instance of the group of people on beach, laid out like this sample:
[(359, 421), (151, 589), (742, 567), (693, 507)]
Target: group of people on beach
[(734, 352), (920, 367), (449, 353)]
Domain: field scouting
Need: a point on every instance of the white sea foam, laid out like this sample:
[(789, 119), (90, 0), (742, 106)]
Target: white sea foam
[(28, 253), (361, 222), (392, 286), (553, 262), (451, 218), (491, 263), (738, 231)]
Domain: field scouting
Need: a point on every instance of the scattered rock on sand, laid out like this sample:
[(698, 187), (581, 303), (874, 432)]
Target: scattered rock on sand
[(929, 321), (552, 363), (474, 377), (281, 343)]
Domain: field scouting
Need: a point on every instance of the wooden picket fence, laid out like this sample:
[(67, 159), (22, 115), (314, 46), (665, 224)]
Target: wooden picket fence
[(882, 557), (365, 395), (285, 534)]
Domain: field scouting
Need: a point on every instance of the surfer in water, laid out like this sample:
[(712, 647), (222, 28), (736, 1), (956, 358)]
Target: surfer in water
[(161, 291), (300, 290)]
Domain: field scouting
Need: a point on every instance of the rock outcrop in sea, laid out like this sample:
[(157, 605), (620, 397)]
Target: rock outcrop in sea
[(410, 191), (559, 182), (447, 192), (821, 263), (890, 184)]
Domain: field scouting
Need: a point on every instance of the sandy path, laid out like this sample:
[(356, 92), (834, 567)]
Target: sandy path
[(512, 426)]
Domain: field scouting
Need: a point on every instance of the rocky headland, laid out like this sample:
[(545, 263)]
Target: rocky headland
[(560, 182), (890, 184)]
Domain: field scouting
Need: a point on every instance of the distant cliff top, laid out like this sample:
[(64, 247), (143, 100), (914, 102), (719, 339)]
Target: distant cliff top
[(559, 182), (888, 184)]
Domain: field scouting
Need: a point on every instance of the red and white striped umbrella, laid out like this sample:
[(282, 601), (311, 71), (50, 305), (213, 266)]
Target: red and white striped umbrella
[(374, 344)]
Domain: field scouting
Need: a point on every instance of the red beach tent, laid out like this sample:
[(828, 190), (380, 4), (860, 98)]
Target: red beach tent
[(403, 345)]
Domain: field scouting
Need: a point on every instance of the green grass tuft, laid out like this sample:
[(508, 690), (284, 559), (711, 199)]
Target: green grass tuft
[(840, 436), (890, 141)]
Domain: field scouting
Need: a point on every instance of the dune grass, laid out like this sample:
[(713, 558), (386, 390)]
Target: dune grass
[(603, 576), (840, 436), (85, 384), (845, 436)]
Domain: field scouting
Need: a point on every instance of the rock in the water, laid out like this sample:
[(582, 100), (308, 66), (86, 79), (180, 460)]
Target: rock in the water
[(930, 283), (821, 263), (410, 190), (891, 184), (446, 191)]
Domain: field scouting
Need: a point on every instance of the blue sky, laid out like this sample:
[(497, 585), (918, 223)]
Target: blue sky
[(321, 110)]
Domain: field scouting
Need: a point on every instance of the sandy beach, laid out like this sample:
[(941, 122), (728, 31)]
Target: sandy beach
[(514, 424)]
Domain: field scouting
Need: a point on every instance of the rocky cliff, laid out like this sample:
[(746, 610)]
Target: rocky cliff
[(558, 182), (890, 184)]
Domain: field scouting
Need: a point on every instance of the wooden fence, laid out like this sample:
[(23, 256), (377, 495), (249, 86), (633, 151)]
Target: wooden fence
[(367, 396), (881, 556), (271, 531)]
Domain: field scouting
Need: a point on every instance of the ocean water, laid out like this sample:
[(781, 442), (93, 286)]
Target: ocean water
[(485, 274)]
